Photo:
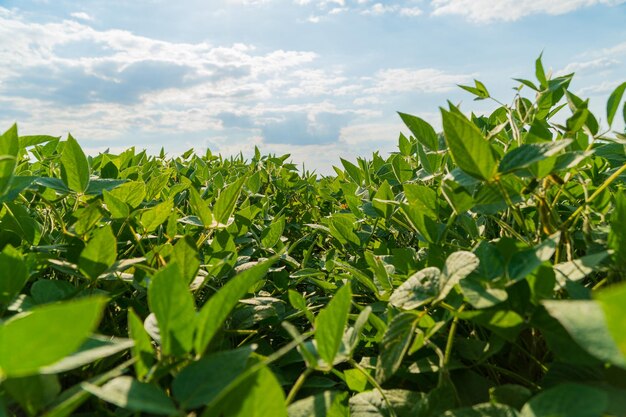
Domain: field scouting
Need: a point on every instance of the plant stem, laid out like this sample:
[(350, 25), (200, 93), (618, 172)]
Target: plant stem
[(375, 384), (298, 384)]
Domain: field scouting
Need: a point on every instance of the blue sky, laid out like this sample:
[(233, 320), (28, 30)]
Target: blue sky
[(316, 79)]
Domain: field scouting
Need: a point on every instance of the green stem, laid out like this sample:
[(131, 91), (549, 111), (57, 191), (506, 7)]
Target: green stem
[(296, 387), (375, 384), (593, 196)]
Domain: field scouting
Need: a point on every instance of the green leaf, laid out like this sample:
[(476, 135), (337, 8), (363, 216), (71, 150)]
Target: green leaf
[(584, 322), (99, 253), (379, 201), (353, 171), (540, 73), (173, 306), (395, 344), (155, 216), (271, 235), (614, 102), (259, 395), (225, 203), (325, 404), (525, 262), (14, 275), (27, 141), (423, 132), (131, 193), (44, 336), (510, 394), (342, 229), (571, 400), (132, 395), (142, 350), (505, 323), (527, 154), (33, 393), (330, 324), (185, 254), (482, 410), (200, 207), (192, 388), (458, 266), (218, 308), (94, 348), (74, 166), (612, 301), (117, 208), (468, 147), (9, 151), (419, 289), (372, 403)]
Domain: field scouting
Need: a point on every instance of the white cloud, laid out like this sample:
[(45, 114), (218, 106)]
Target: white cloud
[(426, 80), (510, 10), (594, 64), (82, 16)]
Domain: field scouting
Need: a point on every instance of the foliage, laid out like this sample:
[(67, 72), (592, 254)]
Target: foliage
[(476, 272)]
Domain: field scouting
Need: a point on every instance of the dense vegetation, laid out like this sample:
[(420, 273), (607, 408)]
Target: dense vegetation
[(475, 272)]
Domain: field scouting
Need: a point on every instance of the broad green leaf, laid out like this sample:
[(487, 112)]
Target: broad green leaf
[(482, 410), (185, 254), (612, 301), (458, 266), (372, 404), (505, 323), (325, 404), (99, 253), (578, 269), (585, 323), (13, 275), (44, 336), (342, 228), (142, 350), (524, 262), (192, 388), (131, 193), (94, 348), (419, 289), (225, 203), (117, 208), (33, 393), (218, 308), (468, 147), (395, 344), (423, 132), (74, 166), (259, 395), (173, 306), (614, 102), (9, 151), (200, 207), (379, 201), (27, 141), (423, 198), (529, 153), (132, 395), (571, 400), (155, 216), (330, 324), (271, 235), (510, 394), (354, 172)]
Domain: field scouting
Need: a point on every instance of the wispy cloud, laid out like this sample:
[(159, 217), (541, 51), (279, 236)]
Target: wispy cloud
[(510, 10)]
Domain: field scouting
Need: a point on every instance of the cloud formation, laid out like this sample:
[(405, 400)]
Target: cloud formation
[(511, 10)]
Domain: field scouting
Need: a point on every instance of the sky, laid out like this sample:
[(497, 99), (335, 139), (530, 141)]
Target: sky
[(319, 79)]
